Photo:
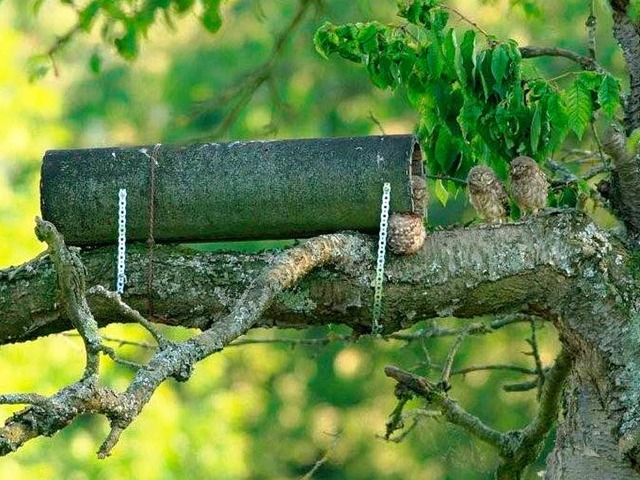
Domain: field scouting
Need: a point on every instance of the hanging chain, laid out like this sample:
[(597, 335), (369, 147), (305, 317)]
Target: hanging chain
[(122, 229), (382, 246)]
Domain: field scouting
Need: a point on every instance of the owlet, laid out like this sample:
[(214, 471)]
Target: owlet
[(529, 185), (487, 194), (406, 233)]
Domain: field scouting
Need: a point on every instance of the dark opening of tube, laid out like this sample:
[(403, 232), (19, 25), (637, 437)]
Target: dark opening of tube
[(417, 166)]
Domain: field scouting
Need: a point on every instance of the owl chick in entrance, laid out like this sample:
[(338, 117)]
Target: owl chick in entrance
[(529, 185), (487, 194)]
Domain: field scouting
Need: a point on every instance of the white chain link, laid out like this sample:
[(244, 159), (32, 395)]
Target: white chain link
[(382, 246), (122, 228)]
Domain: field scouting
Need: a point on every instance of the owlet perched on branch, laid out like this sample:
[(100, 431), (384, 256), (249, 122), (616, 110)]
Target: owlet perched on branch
[(487, 194), (406, 230), (529, 185)]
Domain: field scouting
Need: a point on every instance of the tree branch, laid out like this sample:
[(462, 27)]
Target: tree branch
[(46, 416), (585, 62), (627, 34), (450, 409), (465, 273), (517, 448)]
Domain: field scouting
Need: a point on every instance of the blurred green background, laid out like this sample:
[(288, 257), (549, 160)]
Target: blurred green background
[(252, 412)]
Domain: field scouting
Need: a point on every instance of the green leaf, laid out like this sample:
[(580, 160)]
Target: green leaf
[(127, 45), (181, 6), (326, 39), (579, 107), (536, 126), (590, 80), (434, 60), (87, 15), (558, 118), (368, 38), (95, 62), (439, 22), (211, 19), (484, 70), (446, 150), (441, 193), (499, 62), (449, 47), (609, 95), (467, 53), (37, 4), (38, 66)]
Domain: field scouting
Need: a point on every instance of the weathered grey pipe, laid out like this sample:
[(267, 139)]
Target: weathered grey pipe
[(225, 191)]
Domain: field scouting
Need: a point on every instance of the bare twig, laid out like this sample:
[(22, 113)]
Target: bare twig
[(323, 460), (117, 305), (469, 21), (517, 448), (530, 439), (535, 353), (448, 364), (591, 25), (377, 123), (449, 408), (481, 368), (586, 62), (241, 93)]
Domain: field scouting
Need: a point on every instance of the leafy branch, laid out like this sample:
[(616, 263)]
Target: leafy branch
[(474, 102)]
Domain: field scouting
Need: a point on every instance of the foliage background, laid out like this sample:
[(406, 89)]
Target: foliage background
[(256, 411)]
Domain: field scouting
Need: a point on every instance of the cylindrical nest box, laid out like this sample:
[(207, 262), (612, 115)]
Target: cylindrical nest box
[(228, 191)]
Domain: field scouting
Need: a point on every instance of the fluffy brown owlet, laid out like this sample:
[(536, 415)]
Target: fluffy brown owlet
[(487, 194), (529, 185), (406, 233)]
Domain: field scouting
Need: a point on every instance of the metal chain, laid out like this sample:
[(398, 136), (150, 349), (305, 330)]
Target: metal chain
[(382, 246), (122, 228)]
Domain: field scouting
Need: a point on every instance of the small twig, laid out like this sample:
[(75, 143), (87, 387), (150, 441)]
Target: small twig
[(448, 364), (604, 158), (24, 399), (480, 368), (535, 352), (517, 449), (322, 460), (115, 302), (469, 21), (591, 24), (243, 92), (375, 120), (521, 387), (586, 62), (472, 329)]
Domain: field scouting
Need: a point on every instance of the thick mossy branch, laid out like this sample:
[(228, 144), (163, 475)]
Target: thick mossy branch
[(45, 416), (463, 272)]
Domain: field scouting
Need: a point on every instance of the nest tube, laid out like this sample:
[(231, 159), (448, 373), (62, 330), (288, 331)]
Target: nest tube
[(243, 190)]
